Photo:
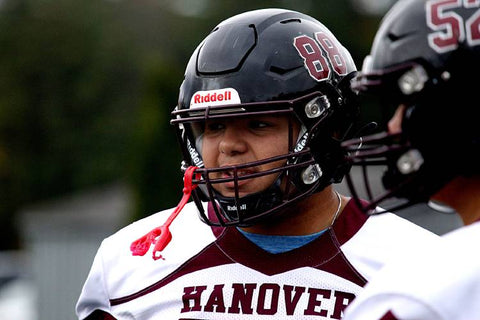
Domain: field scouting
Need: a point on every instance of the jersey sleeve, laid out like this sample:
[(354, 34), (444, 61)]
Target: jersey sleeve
[(94, 295), (385, 306), (404, 289), (384, 238)]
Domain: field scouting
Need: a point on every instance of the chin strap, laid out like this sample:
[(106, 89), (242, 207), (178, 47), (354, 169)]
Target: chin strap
[(161, 236)]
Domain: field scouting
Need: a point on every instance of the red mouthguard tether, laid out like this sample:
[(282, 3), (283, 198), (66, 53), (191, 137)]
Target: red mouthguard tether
[(161, 236)]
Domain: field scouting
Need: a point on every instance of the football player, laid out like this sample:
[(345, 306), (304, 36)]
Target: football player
[(263, 108), (424, 60)]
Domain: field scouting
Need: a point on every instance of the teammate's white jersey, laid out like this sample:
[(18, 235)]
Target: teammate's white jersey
[(214, 273), (440, 282)]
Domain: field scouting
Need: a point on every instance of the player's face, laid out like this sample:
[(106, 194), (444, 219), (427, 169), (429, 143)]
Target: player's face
[(395, 126), (241, 140), (395, 123)]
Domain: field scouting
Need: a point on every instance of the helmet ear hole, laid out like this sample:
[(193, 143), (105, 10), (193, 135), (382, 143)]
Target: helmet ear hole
[(316, 107), (311, 174)]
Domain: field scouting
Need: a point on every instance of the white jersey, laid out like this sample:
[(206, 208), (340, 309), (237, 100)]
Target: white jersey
[(217, 273), (440, 282)]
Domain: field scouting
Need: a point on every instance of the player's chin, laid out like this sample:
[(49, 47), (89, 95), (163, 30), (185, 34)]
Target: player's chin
[(231, 193), (228, 190)]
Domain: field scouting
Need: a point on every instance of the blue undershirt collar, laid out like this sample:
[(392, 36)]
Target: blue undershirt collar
[(279, 244)]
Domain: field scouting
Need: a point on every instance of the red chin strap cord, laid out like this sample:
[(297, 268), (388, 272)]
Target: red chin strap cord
[(161, 236)]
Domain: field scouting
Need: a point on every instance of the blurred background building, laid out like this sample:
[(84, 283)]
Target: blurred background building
[(86, 90)]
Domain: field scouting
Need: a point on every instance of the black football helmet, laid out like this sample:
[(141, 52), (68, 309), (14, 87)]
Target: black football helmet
[(264, 62), (425, 55)]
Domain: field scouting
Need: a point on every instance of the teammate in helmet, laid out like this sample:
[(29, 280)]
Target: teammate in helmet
[(263, 108), (423, 60)]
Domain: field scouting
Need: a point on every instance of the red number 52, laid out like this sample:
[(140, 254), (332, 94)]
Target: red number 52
[(450, 28)]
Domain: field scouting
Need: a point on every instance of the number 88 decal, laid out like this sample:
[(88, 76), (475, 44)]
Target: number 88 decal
[(450, 29), (314, 58)]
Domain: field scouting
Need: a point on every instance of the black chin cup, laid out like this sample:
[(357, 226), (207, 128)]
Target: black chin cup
[(250, 209)]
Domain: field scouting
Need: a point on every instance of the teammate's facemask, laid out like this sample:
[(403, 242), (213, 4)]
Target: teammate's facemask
[(268, 62), (416, 62)]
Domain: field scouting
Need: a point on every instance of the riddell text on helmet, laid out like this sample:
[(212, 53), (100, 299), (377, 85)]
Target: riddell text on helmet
[(215, 97), (198, 98)]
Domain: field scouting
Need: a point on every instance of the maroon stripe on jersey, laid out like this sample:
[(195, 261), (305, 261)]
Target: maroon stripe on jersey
[(349, 222), (217, 231), (389, 316), (100, 315), (323, 253)]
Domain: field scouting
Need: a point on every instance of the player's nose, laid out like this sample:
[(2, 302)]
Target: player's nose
[(233, 140)]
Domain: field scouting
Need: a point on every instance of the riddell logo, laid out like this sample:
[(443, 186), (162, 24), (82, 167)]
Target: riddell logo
[(212, 97), (215, 97)]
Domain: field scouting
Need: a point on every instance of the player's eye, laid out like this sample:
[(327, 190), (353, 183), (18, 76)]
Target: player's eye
[(214, 126), (258, 124)]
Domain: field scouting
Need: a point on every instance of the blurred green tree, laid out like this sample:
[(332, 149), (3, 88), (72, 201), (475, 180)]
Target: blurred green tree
[(71, 95)]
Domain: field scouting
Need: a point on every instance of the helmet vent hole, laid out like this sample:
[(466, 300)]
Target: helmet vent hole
[(290, 21), (393, 37), (281, 71)]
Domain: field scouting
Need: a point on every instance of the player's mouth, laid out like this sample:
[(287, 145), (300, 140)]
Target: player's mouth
[(247, 180), (233, 184), (230, 174)]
